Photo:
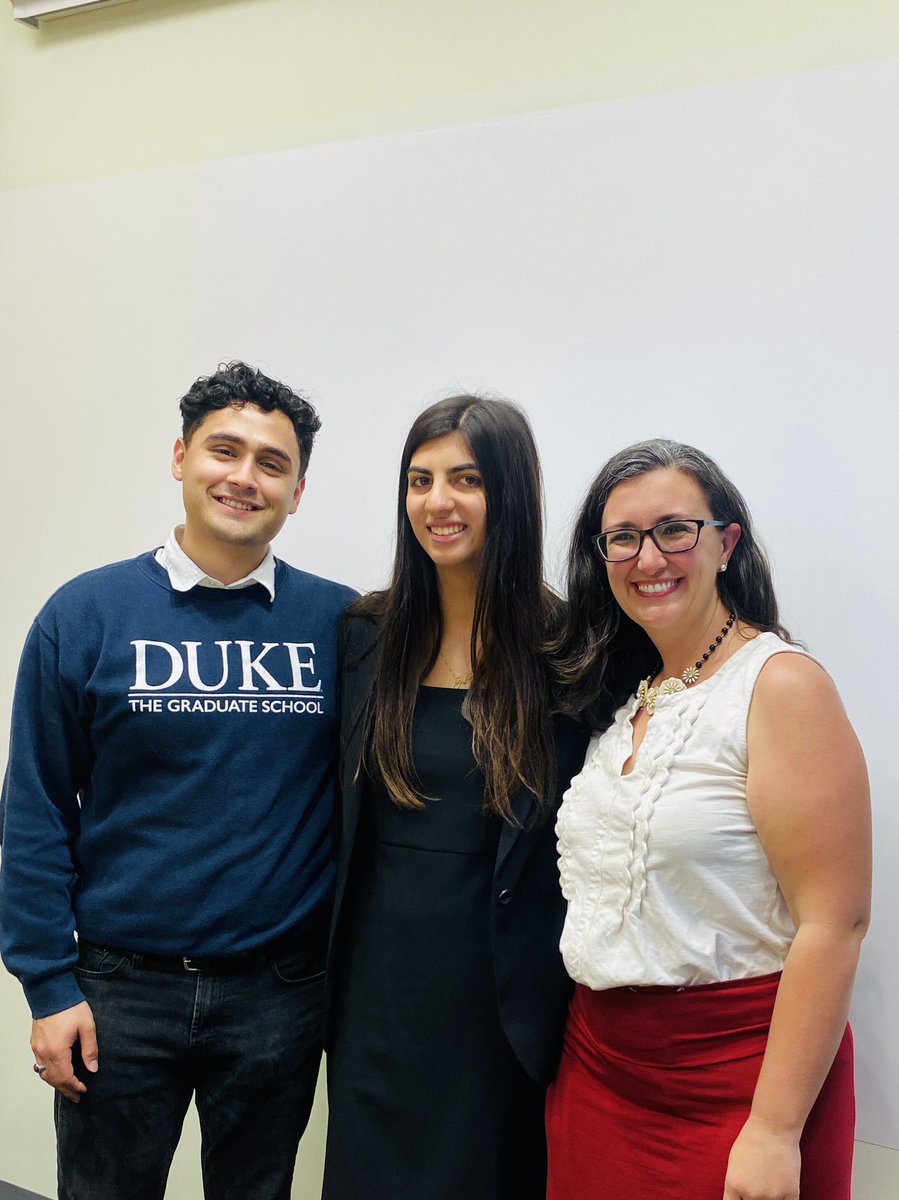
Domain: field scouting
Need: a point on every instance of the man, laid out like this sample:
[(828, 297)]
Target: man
[(169, 798)]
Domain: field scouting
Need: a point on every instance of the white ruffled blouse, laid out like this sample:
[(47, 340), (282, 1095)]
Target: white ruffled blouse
[(665, 877)]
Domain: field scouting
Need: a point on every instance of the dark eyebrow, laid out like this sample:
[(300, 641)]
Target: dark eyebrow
[(451, 471), (660, 521), (235, 440)]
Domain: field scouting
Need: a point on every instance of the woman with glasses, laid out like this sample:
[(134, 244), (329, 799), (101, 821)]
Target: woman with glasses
[(447, 995), (715, 856)]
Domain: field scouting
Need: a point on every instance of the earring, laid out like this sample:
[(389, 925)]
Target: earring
[(722, 568)]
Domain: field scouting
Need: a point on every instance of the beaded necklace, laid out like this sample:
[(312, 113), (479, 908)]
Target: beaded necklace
[(647, 695)]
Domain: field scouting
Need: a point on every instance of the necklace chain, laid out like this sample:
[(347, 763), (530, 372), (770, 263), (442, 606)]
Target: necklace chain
[(459, 681), (647, 695)]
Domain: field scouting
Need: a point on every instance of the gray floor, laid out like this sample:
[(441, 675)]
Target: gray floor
[(9, 1192)]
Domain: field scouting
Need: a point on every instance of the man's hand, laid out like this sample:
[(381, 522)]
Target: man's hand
[(52, 1039)]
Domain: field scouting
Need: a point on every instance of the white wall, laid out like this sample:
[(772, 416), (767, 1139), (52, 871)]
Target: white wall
[(158, 82), (718, 265)]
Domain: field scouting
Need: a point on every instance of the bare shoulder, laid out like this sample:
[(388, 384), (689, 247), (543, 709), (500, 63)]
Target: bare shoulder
[(796, 707), (791, 670), (791, 684), (807, 790)]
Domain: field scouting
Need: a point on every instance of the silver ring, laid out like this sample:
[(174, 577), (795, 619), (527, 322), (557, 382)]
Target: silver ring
[(38, 1070)]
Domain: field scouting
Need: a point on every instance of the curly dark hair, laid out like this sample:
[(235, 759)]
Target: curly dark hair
[(237, 384)]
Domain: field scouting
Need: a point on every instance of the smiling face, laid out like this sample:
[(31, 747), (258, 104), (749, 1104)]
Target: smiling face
[(446, 503), (240, 477), (668, 593)]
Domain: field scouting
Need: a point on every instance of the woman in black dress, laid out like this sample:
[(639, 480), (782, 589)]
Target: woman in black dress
[(447, 996)]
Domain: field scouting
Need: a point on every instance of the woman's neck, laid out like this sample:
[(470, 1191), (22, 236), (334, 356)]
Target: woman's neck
[(458, 595), (458, 591), (680, 649)]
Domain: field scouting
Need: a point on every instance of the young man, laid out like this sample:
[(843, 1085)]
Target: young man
[(169, 800)]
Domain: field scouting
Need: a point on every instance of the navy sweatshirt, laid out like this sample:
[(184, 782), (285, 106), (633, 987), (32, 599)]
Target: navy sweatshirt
[(170, 785)]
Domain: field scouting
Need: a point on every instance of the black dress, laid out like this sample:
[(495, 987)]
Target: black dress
[(427, 1099)]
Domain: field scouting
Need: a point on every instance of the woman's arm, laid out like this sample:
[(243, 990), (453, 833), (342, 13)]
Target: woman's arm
[(808, 794)]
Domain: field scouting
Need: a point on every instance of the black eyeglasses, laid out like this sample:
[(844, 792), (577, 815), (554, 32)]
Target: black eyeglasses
[(671, 537)]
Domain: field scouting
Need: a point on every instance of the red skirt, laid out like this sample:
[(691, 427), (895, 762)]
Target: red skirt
[(656, 1083)]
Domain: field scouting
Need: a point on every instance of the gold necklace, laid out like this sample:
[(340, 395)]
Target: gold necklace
[(459, 681), (647, 696)]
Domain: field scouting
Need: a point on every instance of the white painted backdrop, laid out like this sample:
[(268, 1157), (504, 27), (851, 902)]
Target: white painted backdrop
[(718, 265)]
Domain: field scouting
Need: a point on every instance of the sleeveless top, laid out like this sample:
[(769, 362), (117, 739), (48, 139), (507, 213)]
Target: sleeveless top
[(663, 870)]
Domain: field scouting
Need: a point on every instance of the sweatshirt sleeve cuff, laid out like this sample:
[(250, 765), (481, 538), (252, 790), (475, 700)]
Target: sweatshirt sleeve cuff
[(53, 995)]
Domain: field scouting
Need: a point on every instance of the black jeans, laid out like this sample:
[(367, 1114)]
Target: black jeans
[(246, 1046)]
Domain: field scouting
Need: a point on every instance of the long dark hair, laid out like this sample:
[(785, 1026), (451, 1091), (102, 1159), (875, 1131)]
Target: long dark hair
[(602, 653), (509, 701)]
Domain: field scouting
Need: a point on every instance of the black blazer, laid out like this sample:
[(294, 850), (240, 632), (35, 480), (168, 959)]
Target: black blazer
[(532, 988)]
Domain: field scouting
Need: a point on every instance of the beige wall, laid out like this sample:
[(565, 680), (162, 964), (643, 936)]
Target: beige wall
[(160, 82), (157, 82)]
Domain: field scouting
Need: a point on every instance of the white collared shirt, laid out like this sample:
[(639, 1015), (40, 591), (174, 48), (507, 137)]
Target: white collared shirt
[(184, 573)]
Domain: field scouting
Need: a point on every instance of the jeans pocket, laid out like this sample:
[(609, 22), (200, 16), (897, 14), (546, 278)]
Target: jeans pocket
[(94, 962), (299, 964)]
